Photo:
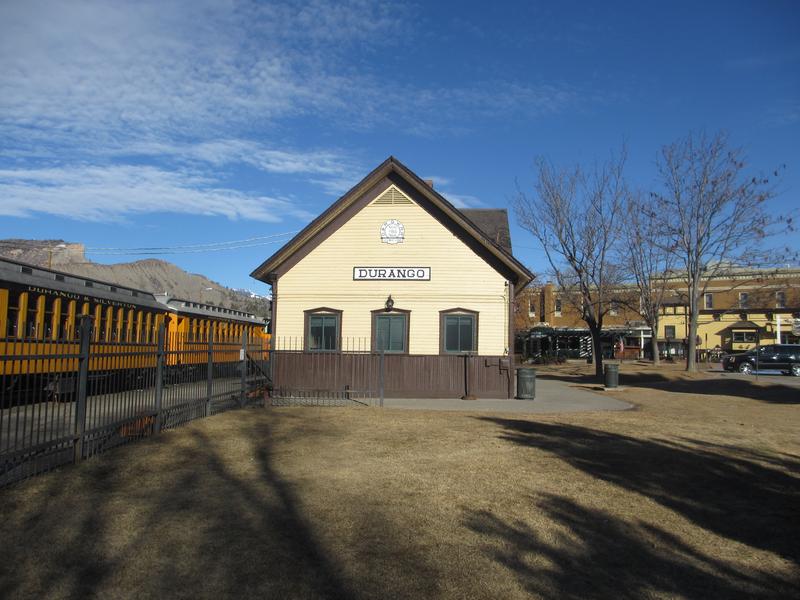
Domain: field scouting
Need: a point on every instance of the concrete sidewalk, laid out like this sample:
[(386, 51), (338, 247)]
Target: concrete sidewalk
[(551, 397)]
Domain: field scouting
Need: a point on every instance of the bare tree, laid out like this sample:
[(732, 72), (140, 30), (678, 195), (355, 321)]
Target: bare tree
[(575, 215), (712, 216), (647, 259)]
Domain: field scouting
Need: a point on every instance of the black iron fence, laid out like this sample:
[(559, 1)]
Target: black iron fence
[(64, 401)]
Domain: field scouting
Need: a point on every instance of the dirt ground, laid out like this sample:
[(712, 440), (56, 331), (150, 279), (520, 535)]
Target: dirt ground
[(693, 494)]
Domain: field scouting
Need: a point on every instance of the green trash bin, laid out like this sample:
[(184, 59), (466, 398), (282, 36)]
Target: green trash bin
[(612, 375), (526, 383)]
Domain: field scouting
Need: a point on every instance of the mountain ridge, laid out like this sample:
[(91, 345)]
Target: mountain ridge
[(153, 275)]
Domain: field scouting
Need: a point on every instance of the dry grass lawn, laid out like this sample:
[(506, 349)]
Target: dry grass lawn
[(694, 494)]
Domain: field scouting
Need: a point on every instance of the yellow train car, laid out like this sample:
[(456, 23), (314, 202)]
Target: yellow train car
[(194, 328), (40, 311)]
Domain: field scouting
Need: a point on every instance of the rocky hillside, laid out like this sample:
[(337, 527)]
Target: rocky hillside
[(152, 275)]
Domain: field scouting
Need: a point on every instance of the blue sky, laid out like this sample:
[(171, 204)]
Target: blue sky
[(143, 124)]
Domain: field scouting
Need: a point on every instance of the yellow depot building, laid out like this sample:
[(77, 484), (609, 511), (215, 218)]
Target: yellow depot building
[(738, 311), (392, 267)]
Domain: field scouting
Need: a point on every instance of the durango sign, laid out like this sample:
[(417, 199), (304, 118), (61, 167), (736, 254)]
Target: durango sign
[(392, 273)]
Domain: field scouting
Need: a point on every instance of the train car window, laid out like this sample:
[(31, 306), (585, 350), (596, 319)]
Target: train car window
[(123, 325), (49, 309), (13, 314), (147, 325), (111, 324), (31, 321), (106, 320), (67, 314)]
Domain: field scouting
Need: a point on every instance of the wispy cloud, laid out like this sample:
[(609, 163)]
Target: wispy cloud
[(115, 192), (201, 69), (763, 61), (97, 88), (784, 114), (462, 200), (438, 180)]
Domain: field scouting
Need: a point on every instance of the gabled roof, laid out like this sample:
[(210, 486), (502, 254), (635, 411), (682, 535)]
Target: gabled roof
[(461, 223), (494, 224)]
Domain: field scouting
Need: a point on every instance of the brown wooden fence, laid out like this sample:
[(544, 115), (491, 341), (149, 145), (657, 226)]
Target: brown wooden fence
[(371, 375)]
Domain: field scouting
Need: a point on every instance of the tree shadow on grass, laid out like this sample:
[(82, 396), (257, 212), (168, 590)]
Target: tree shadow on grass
[(200, 521), (720, 490), (594, 554), (774, 393)]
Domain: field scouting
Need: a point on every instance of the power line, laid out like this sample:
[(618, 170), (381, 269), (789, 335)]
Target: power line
[(143, 249), (262, 240), (168, 251)]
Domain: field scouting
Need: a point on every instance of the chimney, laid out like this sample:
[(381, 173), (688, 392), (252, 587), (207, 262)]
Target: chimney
[(429, 182)]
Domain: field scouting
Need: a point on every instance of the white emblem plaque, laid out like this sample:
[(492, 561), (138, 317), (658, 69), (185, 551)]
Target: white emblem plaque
[(392, 232)]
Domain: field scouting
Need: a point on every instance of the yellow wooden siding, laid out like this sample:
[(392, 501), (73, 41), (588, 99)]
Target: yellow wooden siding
[(459, 278), (714, 333)]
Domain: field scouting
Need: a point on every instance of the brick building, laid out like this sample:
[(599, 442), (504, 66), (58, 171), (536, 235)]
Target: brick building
[(738, 312)]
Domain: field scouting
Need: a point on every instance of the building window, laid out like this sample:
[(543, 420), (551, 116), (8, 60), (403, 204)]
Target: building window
[(390, 331), (558, 307), (743, 299), (744, 336), (531, 306), (323, 330), (459, 331), (613, 309), (669, 332), (709, 301), (780, 299)]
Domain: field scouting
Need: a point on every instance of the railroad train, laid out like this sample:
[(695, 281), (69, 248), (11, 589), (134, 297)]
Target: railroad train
[(40, 313)]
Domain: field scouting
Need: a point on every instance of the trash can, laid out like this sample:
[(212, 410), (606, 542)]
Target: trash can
[(526, 383), (612, 375)]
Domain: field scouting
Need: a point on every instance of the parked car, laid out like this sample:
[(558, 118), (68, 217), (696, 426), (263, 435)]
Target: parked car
[(780, 357)]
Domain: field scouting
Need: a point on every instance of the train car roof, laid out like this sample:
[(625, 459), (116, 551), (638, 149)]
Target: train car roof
[(199, 309), (20, 273)]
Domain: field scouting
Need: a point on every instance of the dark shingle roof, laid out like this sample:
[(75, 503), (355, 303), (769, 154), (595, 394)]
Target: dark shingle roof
[(744, 325), (493, 222)]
